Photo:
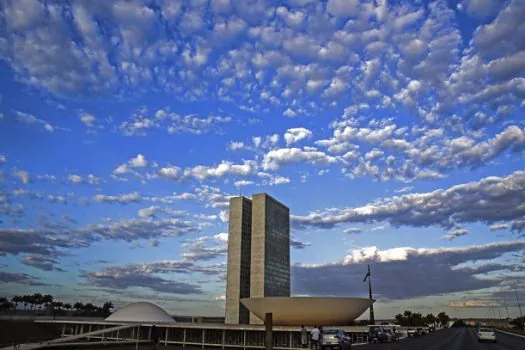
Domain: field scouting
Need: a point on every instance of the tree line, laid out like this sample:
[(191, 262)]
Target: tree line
[(410, 319), (37, 302)]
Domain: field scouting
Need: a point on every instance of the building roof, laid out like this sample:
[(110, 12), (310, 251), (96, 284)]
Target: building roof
[(140, 312), (295, 311)]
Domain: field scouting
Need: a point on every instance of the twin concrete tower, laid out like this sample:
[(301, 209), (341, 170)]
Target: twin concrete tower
[(258, 254)]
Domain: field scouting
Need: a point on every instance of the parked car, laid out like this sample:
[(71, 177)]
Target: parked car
[(421, 331), (378, 334), (392, 332), (486, 334), (412, 333), (335, 339)]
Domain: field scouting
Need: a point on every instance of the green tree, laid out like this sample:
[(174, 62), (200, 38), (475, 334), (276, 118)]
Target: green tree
[(106, 308), (430, 319), (443, 318), (68, 306), (5, 304), (38, 299), (47, 299), (78, 306), (518, 322), (89, 308), (26, 299), (16, 299)]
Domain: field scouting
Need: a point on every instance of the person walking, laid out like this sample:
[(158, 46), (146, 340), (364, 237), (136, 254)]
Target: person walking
[(304, 337), (316, 334), (154, 337)]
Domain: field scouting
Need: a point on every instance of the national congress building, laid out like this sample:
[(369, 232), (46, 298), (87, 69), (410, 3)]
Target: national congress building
[(258, 254)]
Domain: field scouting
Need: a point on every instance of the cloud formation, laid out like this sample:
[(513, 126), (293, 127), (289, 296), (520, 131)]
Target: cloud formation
[(390, 267), (490, 200)]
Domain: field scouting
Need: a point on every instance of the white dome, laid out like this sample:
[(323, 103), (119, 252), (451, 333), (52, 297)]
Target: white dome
[(140, 312)]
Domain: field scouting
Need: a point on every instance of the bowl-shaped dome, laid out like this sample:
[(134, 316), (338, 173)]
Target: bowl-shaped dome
[(309, 311), (140, 312)]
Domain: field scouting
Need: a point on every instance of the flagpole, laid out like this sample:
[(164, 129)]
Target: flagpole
[(372, 318)]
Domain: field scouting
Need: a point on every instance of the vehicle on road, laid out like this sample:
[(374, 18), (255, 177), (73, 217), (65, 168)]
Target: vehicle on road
[(412, 333), (335, 339), (392, 332), (379, 334), (421, 331), (486, 334)]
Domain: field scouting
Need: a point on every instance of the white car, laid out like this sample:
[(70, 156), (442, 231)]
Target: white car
[(486, 334)]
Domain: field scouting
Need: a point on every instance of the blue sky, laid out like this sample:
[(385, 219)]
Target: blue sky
[(393, 131)]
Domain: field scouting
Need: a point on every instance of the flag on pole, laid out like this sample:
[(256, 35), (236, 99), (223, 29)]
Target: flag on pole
[(367, 274)]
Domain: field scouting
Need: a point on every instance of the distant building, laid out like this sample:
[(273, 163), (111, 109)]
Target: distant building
[(258, 254)]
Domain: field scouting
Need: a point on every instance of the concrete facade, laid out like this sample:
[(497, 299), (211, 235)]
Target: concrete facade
[(238, 273), (258, 254), (270, 250)]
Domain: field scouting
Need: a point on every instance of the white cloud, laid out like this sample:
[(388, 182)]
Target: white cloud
[(294, 135), (133, 197), (121, 169), (236, 145), (473, 303), (30, 119), (3, 159), (352, 230), (290, 113), (138, 162), (404, 189), (222, 237), (266, 142), (141, 123), (455, 233), (201, 172), (498, 227), (87, 119), (379, 228), (242, 183), (89, 179), (370, 254), (272, 180), (22, 175), (275, 159), (343, 8), (76, 179), (169, 172), (148, 212), (489, 200)]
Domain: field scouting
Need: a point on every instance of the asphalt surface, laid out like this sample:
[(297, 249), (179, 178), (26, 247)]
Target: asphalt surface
[(452, 339)]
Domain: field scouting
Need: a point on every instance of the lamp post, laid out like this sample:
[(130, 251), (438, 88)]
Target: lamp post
[(519, 307), (369, 276)]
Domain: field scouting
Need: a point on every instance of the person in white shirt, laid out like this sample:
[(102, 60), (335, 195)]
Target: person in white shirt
[(316, 335)]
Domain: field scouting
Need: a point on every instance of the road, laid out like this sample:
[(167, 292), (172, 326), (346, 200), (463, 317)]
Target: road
[(452, 339)]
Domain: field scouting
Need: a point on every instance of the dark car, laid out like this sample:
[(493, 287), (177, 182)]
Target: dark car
[(421, 331), (335, 339), (378, 334)]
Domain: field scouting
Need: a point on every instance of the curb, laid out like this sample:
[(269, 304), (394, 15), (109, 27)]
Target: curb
[(510, 333)]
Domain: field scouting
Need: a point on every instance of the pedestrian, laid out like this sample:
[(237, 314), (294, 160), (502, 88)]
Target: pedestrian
[(304, 337), (316, 334), (154, 337)]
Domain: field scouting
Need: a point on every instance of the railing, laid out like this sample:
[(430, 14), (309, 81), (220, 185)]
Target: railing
[(200, 336)]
